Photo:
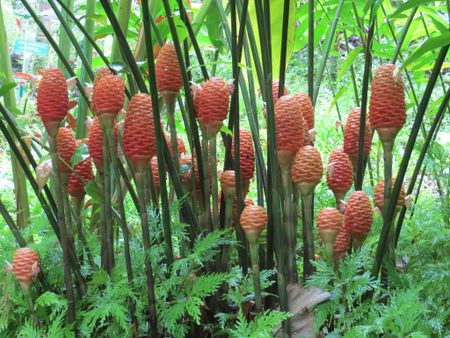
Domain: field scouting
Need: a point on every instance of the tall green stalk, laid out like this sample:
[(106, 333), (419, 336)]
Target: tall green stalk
[(123, 17), (64, 40), (63, 231), (9, 98), (89, 25), (311, 48)]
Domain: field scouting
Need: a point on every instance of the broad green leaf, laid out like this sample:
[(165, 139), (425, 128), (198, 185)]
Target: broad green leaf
[(7, 87), (409, 5), (276, 24), (429, 45), (226, 130), (93, 190), (81, 153), (349, 60), (214, 25)]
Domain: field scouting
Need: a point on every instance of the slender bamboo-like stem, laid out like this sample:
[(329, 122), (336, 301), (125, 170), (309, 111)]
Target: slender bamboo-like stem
[(67, 211), (311, 48), (108, 253), (64, 41), (228, 225), (169, 100), (123, 16), (62, 229), (364, 99), (206, 184), (128, 265), (284, 33), (307, 232), (89, 25), (324, 60), (381, 248), (77, 202), (289, 226), (254, 256), (214, 182), (152, 320)]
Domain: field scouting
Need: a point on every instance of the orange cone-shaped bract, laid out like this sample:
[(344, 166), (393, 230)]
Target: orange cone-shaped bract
[(307, 169), (25, 266), (139, 143), (95, 144), (155, 174), (253, 221), (228, 183), (275, 92), (289, 129), (306, 109), (108, 96), (358, 216), (341, 245), (211, 104), (247, 154), (81, 175), (52, 99), (329, 223), (387, 112), (351, 136), (168, 74), (378, 195), (339, 173), (66, 146)]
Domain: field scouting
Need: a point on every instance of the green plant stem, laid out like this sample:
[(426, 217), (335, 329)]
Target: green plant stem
[(62, 228), (289, 227), (89, 25), (330, 41), (123, 17), (308, 239), (214, 182), (67, 211), (254, 256), (108, 251), (127, 254), (311, 48), (170, 109), (228, 224), (152, 320), (206, 184), (78, 206), (64, 41)]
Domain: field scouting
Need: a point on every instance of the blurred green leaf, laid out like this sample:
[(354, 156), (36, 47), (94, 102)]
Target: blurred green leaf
[(428, 45), (81, 153), (7, 87), (349, 60)]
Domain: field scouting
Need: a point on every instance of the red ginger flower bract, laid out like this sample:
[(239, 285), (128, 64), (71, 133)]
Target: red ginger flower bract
[(358, 216), (351, 136), (306, 109), (340, 179), (108, 95), (228, 182), (253, 221), (25, 266), (180, 145), (387, 102), (341, 245), (82, 174), (211, 104), (139, 143), (289, 129), (155, 173), (168, 74), (66, 146), (307, 169), (329, 223), (275, 91), (52, 99), (378, 194), (247, 154), (95, 143)]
